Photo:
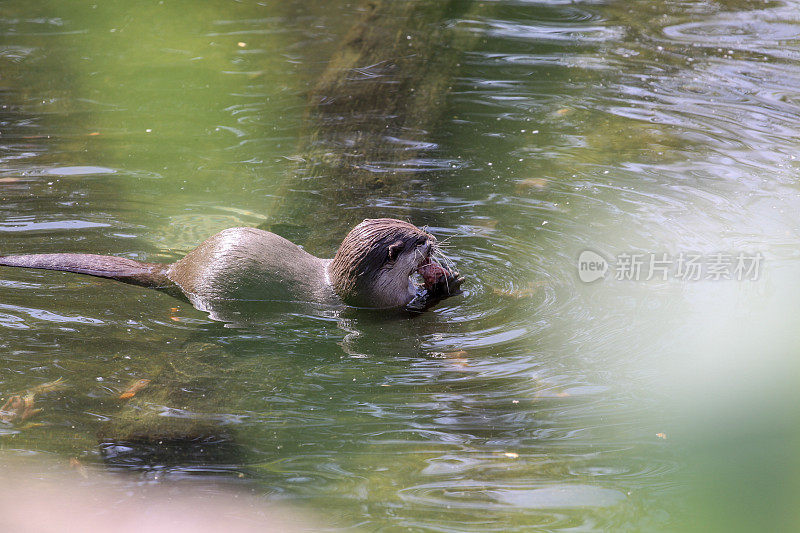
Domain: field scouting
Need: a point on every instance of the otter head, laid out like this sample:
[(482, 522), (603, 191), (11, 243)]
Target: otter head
[(373, 265)]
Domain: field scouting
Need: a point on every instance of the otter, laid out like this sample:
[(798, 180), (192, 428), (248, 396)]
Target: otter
[(373, 267)]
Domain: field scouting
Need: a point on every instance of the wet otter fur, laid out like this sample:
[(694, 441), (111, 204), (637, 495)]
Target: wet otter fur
[(372, 268)]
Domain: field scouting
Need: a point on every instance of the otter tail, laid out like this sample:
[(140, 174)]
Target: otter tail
[(105, 266)]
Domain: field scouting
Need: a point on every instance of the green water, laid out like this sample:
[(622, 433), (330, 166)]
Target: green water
[(533, 400)]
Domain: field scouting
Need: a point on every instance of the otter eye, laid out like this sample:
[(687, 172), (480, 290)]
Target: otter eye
[(421, 240)]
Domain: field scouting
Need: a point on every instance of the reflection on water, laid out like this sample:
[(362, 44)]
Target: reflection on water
[(532, 400)]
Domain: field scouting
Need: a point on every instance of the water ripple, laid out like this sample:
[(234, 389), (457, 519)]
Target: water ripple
[(478, 495)]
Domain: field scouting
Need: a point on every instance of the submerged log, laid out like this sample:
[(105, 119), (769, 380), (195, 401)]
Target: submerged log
[(371, 113), (177, 415)]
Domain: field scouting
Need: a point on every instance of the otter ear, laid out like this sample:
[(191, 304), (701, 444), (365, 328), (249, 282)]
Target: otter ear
[(395, 250)]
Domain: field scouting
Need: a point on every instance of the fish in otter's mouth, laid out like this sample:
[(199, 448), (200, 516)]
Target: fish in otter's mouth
[(438, 279)]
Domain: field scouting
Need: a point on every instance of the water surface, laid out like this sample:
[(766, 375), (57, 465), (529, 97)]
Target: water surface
[(533, 400)]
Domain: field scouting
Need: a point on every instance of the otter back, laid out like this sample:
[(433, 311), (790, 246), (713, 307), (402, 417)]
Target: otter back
[(250, 264)]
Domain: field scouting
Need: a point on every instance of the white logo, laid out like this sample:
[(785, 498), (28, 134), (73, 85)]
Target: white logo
[(591, 266)]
